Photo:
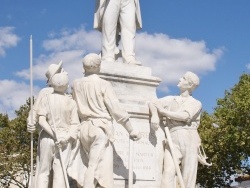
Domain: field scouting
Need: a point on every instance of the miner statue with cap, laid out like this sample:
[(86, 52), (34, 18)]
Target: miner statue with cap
[(59, 119), (52, 70), (42, 166)]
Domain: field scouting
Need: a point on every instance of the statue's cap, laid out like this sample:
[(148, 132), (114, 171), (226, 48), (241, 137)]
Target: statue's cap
[(52, 70)]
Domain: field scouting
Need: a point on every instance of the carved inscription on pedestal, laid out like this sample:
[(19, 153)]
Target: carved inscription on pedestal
[(144, 156)]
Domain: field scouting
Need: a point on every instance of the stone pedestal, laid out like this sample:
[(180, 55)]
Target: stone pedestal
[(135, 87)]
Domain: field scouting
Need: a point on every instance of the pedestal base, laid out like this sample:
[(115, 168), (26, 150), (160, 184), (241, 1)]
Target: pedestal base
[(135, 87)]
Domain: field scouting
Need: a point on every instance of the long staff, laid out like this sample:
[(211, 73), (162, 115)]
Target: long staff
[(60, 149), (177, 168), (130, 163), (31, 111)]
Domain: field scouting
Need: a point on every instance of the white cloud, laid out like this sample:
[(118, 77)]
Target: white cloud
[(248, 66), (7, 39), (71, 63), (74, 39), (169, 58), (13, 96), (68, 46)]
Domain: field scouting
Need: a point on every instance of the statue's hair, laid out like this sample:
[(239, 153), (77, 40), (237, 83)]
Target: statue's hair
[(193, 79), (91, 61)]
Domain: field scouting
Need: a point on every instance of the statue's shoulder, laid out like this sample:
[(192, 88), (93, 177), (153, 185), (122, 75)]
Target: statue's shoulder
[(78, 81), (195, 101), (96, 78), (45, 91)]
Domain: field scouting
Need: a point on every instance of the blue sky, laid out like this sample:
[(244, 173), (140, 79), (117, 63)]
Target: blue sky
[(210, 38)]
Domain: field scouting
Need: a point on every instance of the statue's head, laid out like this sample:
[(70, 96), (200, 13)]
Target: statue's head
[(189, 81), (60, 82), (52, 70), (91, 63)]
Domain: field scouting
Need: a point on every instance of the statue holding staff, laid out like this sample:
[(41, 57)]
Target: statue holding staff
[(65, 117), (182, 115), (32, 122), (59, 119), (52, 70)]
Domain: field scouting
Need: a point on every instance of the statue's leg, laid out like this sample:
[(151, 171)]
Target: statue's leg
[(190, 158), (109, 27), (99, 142), (46, 154), (58, 176), (128, 30), (105, 168)]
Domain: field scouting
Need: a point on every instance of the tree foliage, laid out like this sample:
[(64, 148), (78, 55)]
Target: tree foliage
[(227, 145), (4, 120), (15, 149)]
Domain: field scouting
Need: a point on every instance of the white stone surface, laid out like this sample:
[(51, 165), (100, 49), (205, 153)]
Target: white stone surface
[(58, 119), (97, 107), (114, 17), (135, 87), (182, 115)]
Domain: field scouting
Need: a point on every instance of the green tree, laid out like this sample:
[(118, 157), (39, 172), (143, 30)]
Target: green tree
[(15, 149), (227, 145), (4, 120)]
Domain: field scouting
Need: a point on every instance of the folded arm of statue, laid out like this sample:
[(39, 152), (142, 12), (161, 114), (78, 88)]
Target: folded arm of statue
[(44, 124)]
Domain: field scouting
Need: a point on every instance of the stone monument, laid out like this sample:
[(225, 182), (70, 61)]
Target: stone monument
[(98, 107), (114, 18), (134, 88), (182, 115)]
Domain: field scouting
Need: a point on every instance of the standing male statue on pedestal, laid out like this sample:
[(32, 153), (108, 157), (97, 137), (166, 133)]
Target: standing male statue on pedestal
[(58, 117), (112, 16), (97, 107), (43, 168), (182, 120)]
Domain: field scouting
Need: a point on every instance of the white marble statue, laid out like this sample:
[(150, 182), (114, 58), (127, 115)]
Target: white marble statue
[(112, 16), (52, 70), (182, 115), (97, 106), (32, 120), (58, 118)]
